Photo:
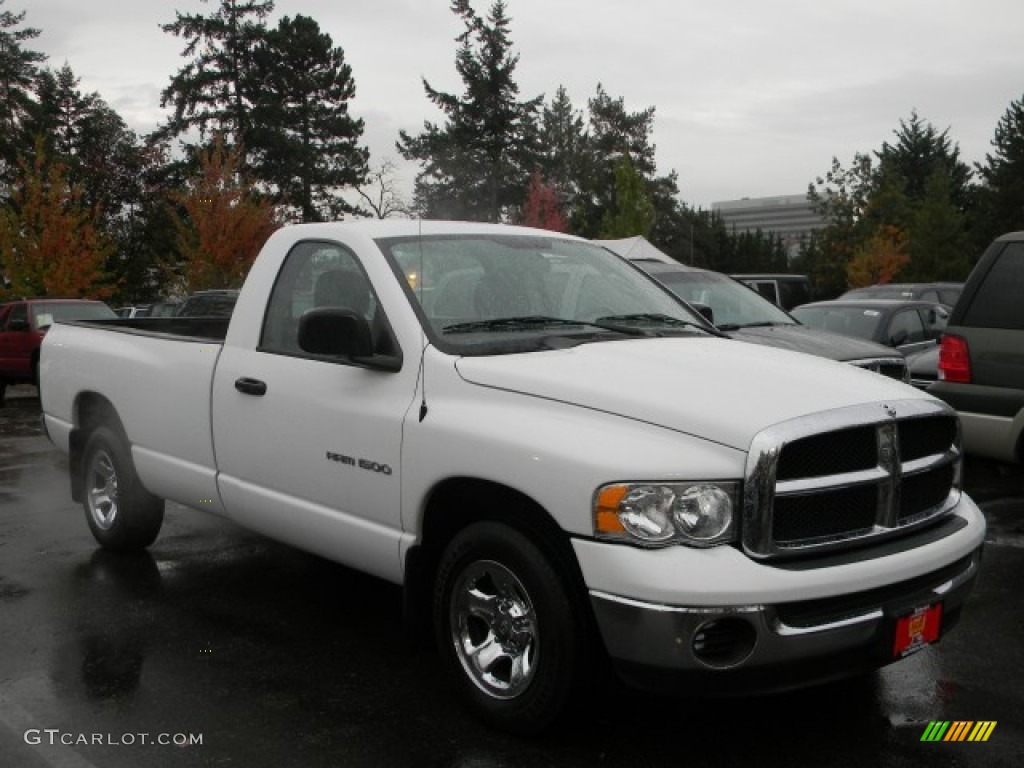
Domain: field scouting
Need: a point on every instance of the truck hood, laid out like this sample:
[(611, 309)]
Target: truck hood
[(800, 338), (716, 389)]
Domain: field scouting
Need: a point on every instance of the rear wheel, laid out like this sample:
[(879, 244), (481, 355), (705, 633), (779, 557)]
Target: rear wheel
[(507, 628), (121, 514)]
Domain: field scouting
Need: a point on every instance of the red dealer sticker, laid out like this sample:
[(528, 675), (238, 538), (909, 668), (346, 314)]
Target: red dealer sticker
[(917, 629)]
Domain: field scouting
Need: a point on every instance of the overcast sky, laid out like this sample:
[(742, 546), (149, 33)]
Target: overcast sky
[(753, 97)]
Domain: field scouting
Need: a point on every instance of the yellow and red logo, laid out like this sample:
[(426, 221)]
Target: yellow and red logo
[(958, 730)]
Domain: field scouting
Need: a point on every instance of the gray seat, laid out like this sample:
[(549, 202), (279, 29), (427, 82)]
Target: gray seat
[(348, 289)]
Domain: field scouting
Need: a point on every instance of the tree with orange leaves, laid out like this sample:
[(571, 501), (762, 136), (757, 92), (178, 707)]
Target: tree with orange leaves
[(878, 260), (225, 223), (51, 243)]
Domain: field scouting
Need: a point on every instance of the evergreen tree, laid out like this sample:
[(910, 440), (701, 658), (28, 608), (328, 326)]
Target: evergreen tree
[(61, 111), (18, 68), (613, 134), (212, 92), (303, 139), (919, 152), (477, 165), (561, 140), (939, 245), (632, 212), (82, 131), (1001, 196), (148, 236)]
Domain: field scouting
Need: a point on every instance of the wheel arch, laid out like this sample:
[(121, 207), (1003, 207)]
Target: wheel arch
[(90, 410), (457, 502)]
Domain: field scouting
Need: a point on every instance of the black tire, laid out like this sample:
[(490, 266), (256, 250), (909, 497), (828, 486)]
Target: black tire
[(122, 515), (496, 589)]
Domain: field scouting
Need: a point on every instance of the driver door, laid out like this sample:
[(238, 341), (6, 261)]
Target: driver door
[(308, 448)]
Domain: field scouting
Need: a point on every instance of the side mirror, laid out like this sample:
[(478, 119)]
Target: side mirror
[(335, 332)]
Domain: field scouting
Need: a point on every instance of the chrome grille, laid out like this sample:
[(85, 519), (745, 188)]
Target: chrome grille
[(850, 476)]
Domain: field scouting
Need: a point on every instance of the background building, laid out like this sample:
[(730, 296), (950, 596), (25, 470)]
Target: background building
[(791, 217)]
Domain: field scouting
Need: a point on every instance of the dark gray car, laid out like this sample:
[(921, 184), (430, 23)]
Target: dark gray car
[(981, 361), (744, 314), (908, 326)]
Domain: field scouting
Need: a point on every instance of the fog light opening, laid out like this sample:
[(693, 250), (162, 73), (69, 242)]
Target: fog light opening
[(724, 643)]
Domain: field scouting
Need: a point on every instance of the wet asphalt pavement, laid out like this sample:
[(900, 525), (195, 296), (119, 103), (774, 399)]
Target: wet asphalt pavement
[(218, 647)]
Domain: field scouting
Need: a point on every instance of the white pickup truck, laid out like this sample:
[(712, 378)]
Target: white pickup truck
[(560, 462)]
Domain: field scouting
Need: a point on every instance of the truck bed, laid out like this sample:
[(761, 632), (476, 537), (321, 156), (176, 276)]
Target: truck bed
[(208, 329), (156, 374)]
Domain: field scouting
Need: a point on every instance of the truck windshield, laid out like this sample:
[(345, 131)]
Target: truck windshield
[(486, 294)]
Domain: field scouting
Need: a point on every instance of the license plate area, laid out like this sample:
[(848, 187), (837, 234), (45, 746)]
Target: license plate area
[(916, 629)]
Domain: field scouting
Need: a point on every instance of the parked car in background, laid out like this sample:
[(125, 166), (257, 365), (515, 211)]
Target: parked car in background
[(787, 291), (23, 324), (215, 303), (909, 326), (981, 360), (939, 293), (744, 314)]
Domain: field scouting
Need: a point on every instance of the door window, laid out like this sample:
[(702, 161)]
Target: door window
[(906, 328), (766, 288), (314, 275), (19, 315)]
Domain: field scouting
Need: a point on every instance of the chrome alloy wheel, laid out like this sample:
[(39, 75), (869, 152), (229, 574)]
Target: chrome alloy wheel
[(101, 490), (494, 629)]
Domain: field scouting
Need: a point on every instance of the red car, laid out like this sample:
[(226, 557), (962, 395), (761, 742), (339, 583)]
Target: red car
[(23, 324)]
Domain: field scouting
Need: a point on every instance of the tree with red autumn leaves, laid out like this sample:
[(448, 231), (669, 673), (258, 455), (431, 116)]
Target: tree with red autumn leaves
[(224, 224), (51, 243), (541, 207)]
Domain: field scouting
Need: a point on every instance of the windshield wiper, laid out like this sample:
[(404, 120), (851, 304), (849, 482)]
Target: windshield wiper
[(760, 324), (637, 320), (536, 321)]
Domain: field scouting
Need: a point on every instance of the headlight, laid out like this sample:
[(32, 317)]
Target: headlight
[(654, 514)]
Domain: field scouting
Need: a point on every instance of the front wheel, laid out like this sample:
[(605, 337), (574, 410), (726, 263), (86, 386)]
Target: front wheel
[(121, 513), (507, 628)]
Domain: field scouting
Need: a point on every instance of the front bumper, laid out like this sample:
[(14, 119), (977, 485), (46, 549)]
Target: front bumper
[(709, 646)]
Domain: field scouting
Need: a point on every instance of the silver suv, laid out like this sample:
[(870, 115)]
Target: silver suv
[(981, 360)]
